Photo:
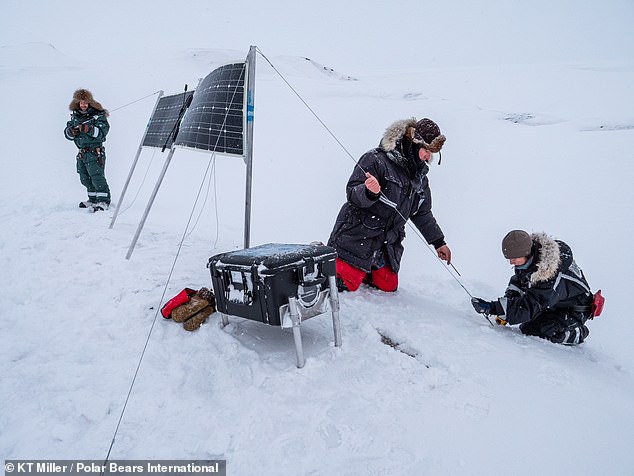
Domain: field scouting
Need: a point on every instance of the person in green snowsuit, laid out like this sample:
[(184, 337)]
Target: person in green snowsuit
[(87, 128)]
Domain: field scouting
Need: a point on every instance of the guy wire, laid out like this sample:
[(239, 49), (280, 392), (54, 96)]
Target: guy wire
[(135, 101), (202, 207), (142, 183), (169, 277)]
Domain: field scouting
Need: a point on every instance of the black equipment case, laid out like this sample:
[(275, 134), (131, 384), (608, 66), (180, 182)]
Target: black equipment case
[(256, 283)]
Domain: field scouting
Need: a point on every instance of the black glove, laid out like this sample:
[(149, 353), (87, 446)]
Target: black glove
[(481, 306), (73, 131)]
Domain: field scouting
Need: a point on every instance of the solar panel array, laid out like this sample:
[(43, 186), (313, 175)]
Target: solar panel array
[(161, 127), (215, 119)]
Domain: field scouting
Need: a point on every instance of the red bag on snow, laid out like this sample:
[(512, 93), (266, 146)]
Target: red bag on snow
[(180, 298), (597, 304)]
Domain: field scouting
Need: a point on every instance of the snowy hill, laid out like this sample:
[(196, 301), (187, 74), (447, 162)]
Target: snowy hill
[(539, 136)]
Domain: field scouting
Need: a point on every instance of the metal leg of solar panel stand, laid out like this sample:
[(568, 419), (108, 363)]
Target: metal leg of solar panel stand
[(224, 319), (297, 335), (149, 205), (136, 159), (334, 305)]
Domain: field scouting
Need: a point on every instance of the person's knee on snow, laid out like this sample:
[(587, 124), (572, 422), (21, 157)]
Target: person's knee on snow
[(349, 278), (385, 279)]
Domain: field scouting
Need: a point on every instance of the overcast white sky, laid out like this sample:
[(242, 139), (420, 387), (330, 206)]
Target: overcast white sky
[(380, 35)]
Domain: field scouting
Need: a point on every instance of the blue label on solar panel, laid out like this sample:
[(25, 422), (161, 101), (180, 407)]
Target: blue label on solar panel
[(215, 119)]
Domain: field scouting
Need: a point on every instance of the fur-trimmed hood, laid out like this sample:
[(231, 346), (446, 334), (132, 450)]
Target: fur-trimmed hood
[(84, 95), (549, 259), (406, 128), (395, 132)]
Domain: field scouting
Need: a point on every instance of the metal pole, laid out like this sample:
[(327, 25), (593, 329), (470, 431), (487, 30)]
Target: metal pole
[(297, 335), (248, 144), (149, 205), (136, 158), (334, 305), (224, 319)]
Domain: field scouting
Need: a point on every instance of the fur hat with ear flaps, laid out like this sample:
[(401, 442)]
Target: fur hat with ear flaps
[(83, 95), (424, 132)]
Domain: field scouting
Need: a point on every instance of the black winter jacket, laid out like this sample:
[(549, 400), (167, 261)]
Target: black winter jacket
[(366, 223), (551, 283)]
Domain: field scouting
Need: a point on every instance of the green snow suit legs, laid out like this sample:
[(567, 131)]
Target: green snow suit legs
[(91, 164)]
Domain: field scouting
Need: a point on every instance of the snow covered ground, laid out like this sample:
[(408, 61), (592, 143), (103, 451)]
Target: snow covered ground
[(536, 103)]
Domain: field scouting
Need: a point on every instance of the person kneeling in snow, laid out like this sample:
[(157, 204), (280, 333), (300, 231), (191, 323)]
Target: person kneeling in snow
[(388, 186), (548, 295)]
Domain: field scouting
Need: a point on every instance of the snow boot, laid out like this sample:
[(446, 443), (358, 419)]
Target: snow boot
[(573, 336), (197, 319), (181, 298), (199, 301), (86, 204), (100, 206)]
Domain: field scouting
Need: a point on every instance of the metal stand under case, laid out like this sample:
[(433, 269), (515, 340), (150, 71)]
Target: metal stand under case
[(296, 320), (278, 285)]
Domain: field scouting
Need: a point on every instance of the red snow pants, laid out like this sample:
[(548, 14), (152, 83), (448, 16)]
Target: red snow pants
[(383, 278)]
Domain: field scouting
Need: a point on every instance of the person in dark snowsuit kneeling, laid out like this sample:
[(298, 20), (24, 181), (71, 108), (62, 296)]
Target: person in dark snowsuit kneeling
[(388, 187), (548, 296), (87, 128)]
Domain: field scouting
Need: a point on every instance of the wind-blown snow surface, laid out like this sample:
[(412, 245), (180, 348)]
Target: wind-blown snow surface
[(542, 139)]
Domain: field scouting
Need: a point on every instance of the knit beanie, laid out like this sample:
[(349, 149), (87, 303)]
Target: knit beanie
[(516, 244)]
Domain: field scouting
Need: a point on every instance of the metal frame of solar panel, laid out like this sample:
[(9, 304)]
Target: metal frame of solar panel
[(163, 120), (215, 121)]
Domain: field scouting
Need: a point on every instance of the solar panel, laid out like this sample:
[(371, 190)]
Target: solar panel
[(215, 119), (163, 120)]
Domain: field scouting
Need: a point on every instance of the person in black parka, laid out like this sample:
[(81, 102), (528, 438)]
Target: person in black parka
[(388, 186), (548, 296)]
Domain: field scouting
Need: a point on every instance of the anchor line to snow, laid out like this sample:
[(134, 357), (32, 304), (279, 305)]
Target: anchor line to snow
[(142, 182), (356, 162), (211, 164), (169, 277), (307, 106), (216, 208), (212, 177)]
